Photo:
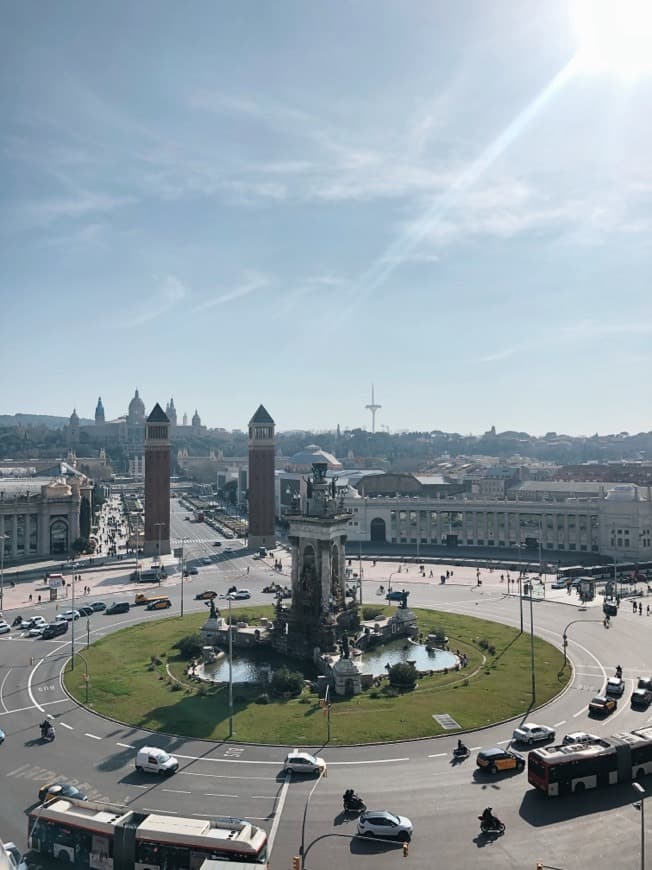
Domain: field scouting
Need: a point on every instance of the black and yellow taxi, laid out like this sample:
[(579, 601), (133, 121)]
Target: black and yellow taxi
[(602, 705), (496, 760), (206, 595), (159, 604)]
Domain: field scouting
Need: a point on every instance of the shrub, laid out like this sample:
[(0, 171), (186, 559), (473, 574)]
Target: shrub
[(262, 699), (371, 612), (190, 646), (286, 682), (403, 676), (390, 691)]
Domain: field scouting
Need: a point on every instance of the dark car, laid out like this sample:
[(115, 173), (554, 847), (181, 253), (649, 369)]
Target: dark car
[(496, 760), (60, 789), (641, 698), (217, 543), (395, 595), (54, 629), (206, 595), (644, 683), (98, 605), (117, 607), (602, 705), (159, 604), (86, 610)]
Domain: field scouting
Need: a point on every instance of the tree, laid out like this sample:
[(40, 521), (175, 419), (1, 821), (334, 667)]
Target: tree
[(85, 518), (403, 676)]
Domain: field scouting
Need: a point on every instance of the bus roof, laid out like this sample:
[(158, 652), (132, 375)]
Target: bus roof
[(569, 751), (229, 834), (100, 816)]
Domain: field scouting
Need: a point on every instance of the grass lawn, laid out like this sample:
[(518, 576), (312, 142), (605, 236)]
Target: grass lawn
[(127, 685)]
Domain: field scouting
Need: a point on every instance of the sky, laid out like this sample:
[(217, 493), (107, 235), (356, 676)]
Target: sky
[(235, 203)]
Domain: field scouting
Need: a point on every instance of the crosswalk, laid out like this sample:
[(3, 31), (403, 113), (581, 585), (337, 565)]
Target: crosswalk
[(179, 542), (42, 775)]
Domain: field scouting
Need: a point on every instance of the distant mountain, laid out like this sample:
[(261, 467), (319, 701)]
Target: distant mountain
[(46, 420)]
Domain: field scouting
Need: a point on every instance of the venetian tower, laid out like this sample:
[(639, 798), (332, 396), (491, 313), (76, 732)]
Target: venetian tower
[(157, 483), (262, 531)]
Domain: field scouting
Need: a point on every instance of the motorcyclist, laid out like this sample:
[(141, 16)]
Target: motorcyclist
[(487, 818), (462, 749), (619, 671), (351, 799)]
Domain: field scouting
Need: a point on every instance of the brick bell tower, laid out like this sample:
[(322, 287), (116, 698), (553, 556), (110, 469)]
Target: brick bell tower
[(157, 483), (262, 532)]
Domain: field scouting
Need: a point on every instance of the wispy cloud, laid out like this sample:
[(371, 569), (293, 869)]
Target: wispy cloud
[(169, 293), (253, 281)]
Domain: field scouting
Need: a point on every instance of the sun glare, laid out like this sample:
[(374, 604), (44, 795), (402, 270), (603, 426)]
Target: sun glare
[(615, 36)]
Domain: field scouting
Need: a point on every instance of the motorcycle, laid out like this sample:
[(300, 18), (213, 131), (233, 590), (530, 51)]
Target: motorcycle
[(495, 826), (353, 803), (460, 753), (47, 731)]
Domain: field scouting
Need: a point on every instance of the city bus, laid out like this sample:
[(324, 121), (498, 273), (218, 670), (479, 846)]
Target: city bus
[(110, 837), (575, 767)]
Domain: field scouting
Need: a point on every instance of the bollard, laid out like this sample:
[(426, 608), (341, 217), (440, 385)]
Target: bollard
[(406, 849)]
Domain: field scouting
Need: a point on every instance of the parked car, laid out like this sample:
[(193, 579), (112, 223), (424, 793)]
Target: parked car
[(530, 733), (60, 789), (98, 605), (495, 760), (641, 698), (644, 683), (206, 595), (558, 584), (602, 705), (396, 595), (304, 762), (382, 823), (117, 607), (580, 737), (2, 736), (615, 686), (4, 627), (217, 543)]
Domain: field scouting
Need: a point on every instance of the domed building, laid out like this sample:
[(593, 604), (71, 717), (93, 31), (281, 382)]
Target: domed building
[(311, 453), (136, 414)]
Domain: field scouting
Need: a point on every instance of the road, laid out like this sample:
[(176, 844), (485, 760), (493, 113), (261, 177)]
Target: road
[(414, 778)]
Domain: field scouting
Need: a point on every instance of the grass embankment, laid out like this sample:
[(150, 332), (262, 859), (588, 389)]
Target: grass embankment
[(129, 681)]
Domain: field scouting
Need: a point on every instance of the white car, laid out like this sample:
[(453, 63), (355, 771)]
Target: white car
[(4, 627), (558, 584), (33, 622), (36, 630), (67, 616), (615, 686), (304, 762), (580, 737), (530, 733), (381, 823)]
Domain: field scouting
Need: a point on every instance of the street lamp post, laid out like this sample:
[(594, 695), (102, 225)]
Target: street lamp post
[(302, 851), (534, 687), (230, 671), (72, 627), (182, 572), (159, 526), (641, 807), (389, 580), (565, 635), (3, 538)]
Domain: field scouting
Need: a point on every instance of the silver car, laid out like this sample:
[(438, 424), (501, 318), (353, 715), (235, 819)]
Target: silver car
[(382, 823)]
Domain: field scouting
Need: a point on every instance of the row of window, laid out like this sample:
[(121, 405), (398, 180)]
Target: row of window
[(480, 542)]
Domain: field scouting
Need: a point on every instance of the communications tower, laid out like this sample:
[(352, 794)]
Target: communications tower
[(373, 407)]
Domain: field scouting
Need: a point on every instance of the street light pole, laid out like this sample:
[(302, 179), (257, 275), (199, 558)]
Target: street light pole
[(639, 788), (230, 672), (72, 638), (182, 573), (302, 851), (534, 687), (3, 538)]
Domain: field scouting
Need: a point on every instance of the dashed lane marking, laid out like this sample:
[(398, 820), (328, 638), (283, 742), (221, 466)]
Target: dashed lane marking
[(40, 707), (65, 725), (501, 742), (438, 755), (473, 749), (371, 761), (125, 746), (263, 797), (213, 794), (176, 791), (580, 712), (222, 776), (94, 736), (559, 724)]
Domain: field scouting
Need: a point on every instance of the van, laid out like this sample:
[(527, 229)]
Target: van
[(54, 629), (153, 759)]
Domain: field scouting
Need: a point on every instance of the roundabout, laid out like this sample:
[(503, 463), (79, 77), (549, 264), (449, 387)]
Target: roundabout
[(413, 778)]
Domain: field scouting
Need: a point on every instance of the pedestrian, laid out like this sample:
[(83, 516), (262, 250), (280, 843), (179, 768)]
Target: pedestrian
[(30, 600), (39, 599), (431, 572), (648, 610)]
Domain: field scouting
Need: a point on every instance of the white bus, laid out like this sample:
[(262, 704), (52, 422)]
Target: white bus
[(110, 837)]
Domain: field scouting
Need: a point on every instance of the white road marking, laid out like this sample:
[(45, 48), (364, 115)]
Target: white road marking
[(213, 794), (559, 724), (473, 749), (18, 769), (221, 775), (2, 687), (69, 727), (278, 811), (579, 712), (42, 709), (373, 761), (167, 812), (438, 755), (500, 742), (125, 745), (263, 797), (94, 736), (176, 791), (29, 685)]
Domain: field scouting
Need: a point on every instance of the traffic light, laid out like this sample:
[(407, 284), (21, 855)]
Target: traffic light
[(296, 863), (539, 865)]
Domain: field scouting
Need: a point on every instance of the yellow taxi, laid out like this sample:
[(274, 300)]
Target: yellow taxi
[(495, 760), (159, 604)]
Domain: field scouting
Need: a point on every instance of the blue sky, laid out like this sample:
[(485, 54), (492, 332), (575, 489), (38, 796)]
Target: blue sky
[(245, 202)]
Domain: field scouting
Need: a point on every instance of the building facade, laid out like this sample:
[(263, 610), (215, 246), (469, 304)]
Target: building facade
[(262, 532), (157, 483)]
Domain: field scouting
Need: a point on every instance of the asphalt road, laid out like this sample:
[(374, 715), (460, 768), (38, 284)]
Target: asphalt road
[(598, 829)]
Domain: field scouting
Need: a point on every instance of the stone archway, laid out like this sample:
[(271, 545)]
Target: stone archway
[(59, 543), (378, 530)]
